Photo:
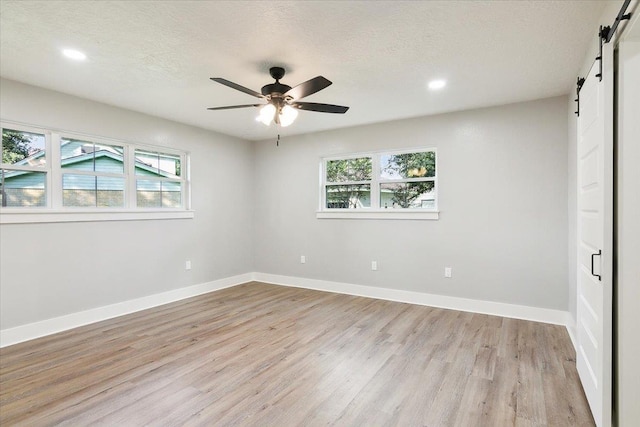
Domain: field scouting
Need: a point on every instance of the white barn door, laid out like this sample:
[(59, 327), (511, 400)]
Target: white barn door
[(595, 227)]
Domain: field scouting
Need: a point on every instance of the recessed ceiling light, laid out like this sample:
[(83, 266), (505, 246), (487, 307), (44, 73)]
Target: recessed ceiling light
[(437, 84), (74, 54)]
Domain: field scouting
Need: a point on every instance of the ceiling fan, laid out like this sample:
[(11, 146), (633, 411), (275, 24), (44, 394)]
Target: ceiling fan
[(283, 100)]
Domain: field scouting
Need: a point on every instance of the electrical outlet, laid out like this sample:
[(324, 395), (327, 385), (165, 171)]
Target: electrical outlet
[(303, 259), (447, 272), (374, 265), (187, 265)]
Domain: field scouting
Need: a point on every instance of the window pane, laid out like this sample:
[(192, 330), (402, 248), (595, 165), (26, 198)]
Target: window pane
[(92, 191), (22, 188), (23, 148), (408, 165), (348, 196), (158, 194), (407, 195), (158, 164), (349, 170), (110, 192), (84, 155), (79, 190)]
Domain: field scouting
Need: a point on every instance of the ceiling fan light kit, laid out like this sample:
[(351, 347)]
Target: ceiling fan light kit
[(267, 114), (282, 100)]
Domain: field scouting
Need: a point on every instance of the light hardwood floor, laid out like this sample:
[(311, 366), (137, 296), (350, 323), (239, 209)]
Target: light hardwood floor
[(265, 355)]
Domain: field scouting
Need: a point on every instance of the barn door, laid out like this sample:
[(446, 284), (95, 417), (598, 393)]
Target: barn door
[(595, 227)]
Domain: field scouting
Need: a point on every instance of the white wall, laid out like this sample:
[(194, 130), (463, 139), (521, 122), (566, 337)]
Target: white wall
[(627, 273), (503, 203), (503, 222), (49, 270)]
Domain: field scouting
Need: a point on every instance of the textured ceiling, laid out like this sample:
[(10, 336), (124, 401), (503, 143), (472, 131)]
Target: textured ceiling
[(156, 57)]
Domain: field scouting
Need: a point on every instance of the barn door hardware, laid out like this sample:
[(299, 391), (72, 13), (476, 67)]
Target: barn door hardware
[(592, 257), (603, 33), (606, 33), (579, 84)]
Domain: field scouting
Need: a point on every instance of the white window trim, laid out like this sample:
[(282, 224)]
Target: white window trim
[(21, 216), (376, 213), (53, 211)]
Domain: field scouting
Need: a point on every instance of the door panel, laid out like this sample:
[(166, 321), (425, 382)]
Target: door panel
[(589, 171), (594, 307)]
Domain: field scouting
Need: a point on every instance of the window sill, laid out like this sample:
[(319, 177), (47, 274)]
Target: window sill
[(380, 214), (22, 216)]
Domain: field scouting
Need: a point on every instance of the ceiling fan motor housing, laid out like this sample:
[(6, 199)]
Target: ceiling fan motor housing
[(275, 88)]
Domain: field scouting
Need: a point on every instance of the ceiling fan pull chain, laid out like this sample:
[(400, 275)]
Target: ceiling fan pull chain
[(278, 141)]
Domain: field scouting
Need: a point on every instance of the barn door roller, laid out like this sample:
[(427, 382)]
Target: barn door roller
[(579, 84), (606, 33)]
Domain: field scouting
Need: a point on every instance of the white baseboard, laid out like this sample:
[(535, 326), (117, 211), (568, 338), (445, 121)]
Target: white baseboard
[(58, 324), (74, 320), (524, 312), (571, 329)]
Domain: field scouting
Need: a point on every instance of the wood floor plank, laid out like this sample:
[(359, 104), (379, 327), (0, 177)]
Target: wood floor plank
[(502, 399), (473, 402), (425, 382), (446, 405), (265, 355), (530, 396)]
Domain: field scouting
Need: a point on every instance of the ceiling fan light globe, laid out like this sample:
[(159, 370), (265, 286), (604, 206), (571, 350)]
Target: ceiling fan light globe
[(288, 115), (437, 84), (267, 114)]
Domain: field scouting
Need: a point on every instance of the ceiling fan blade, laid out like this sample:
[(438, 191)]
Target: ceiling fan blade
[(235, 106), (308, 88), (236, 86), (323, 108)]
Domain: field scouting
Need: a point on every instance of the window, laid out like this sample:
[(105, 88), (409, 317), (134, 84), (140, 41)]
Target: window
[(407, 180), (348, 183), (92, 174), (23, 174), (51, 172), (380, 185), (160, 187)]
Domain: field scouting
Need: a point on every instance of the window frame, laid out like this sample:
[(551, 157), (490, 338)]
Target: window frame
[(159, 179), (59, 178), (376, 211), (46, 168), (54, 211), (361, 182)]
